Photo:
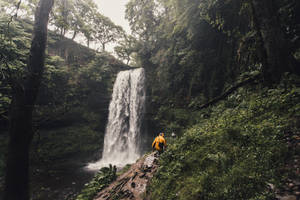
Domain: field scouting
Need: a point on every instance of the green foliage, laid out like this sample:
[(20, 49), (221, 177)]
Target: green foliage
[(82, 16), (70, 17), (188, 60), (126, 48), (70, 83), (71, 109), (75, 16), (194, 50), (233, 153), (106, 31), (175, 119), (102, 179), (14, 45), (143, 18)]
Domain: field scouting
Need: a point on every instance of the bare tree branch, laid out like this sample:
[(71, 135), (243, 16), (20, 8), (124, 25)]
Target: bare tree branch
[(229, 91)]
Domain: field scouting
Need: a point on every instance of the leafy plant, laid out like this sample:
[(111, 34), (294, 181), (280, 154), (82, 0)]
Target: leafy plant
[(102, 179)]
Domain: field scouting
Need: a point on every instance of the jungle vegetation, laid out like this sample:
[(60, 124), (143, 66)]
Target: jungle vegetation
[(223, 75)]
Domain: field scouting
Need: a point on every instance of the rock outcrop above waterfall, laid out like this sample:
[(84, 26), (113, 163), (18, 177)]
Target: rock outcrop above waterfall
[(133, 183)]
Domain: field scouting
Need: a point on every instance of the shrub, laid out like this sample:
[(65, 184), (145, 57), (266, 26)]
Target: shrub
[(103, 178)]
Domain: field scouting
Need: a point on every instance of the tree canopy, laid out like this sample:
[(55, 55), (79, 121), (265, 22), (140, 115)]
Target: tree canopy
[(73, 18)]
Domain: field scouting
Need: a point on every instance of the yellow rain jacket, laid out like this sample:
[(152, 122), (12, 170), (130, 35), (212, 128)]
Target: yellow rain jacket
[(158, 143)]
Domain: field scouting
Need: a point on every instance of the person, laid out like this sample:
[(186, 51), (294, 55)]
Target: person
[(159, 143)]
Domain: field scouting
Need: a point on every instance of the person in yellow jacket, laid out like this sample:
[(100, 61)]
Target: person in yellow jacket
[(159, 143)]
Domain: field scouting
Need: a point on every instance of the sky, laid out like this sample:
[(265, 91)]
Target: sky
[(115, 10)]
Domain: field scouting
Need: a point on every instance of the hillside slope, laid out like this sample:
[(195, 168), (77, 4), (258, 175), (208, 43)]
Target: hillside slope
[(246, 147)]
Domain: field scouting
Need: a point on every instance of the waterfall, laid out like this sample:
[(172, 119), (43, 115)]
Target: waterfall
[(126, 110)]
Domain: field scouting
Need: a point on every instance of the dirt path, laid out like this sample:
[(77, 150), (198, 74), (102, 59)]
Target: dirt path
[(133, 183)]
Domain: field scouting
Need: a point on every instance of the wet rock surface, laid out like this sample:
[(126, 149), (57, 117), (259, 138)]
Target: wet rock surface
[(133, 183)]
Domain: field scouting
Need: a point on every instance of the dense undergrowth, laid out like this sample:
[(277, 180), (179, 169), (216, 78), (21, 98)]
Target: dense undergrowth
[(236, 148)]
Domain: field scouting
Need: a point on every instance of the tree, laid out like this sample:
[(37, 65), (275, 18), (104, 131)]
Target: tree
[(31, 6), (77, 19), (125, 48), (143, 17), (84, 15), (279, 58), (62, 15), (105, 30), (10, 6), (24, 96), (76, 16)]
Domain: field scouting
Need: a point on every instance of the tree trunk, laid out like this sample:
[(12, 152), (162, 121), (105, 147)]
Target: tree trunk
[(279, 57), (65, 31), (24, 96), (88, 42), (74, 35)]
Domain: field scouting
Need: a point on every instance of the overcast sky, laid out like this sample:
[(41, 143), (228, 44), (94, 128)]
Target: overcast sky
[(115, 10)]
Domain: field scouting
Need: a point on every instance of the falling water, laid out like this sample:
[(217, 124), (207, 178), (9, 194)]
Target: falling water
[(123, 131)]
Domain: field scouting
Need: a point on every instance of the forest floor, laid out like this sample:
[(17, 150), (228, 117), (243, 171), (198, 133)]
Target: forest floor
[(133, 183)]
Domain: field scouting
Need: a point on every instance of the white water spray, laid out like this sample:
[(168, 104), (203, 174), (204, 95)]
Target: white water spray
[(126, 110)]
